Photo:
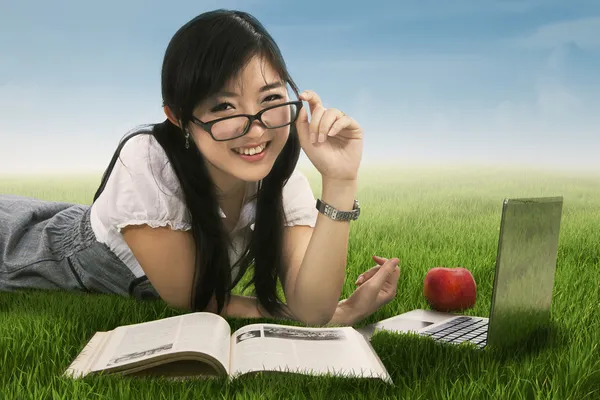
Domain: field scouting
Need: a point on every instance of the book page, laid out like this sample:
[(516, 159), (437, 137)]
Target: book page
[(83, 363), (202, 332), (337, 351)]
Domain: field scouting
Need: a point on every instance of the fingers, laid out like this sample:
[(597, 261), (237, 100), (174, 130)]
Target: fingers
[(315, 121), (345, 122), (365, 276), (390, 287), (316, 112), (302, 125), (313, 100), (331, 119), (379, 260), (385, 272), (323, 122)]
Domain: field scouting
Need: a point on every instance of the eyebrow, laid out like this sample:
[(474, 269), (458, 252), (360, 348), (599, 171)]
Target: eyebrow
[(266, 88), (270, 86)]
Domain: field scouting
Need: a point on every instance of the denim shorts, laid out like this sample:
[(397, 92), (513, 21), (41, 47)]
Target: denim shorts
[(51, 245)]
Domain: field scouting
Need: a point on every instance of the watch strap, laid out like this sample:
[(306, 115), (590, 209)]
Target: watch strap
[(336, 214)]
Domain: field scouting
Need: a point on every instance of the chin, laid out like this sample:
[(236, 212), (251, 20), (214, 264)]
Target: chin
[(251, 173), (248, 176)]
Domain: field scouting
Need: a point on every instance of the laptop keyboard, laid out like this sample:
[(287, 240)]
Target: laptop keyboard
[(459, 330)]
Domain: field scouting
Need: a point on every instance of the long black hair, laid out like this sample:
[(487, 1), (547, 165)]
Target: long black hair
[(200, 59)]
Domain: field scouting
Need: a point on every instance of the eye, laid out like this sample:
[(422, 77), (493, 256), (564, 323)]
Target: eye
[(273, 97), (220, 107)]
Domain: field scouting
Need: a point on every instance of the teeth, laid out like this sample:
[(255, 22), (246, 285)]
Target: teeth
[(250, 151)]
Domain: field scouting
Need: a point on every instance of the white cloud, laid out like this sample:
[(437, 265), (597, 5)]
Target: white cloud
[(427, 10), (585, 32), (424, 63), (67, 129), (556, 101)]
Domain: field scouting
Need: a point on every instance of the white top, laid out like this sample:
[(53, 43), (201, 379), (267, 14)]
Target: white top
[(143, 189)]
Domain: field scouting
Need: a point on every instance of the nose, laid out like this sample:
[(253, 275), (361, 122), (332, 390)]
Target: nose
[(257, 130)]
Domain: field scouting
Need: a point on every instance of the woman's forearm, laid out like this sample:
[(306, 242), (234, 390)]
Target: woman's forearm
[(241, 307), (248, 307), (321, 276)]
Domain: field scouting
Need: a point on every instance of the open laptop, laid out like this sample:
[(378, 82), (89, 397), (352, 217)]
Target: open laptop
[(523, 283)]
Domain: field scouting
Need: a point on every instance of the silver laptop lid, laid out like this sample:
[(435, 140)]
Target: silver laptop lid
[(525, 266)]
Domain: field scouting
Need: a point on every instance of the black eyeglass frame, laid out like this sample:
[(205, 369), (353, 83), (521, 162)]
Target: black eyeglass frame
[(207, 126)]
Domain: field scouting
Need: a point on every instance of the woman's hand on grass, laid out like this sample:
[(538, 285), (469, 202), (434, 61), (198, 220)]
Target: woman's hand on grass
[(376, 287)]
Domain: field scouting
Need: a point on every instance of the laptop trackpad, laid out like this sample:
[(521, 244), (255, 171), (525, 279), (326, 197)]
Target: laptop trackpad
[(401, 325)]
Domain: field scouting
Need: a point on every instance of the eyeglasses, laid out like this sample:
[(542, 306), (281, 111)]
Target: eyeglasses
[(235, 126)]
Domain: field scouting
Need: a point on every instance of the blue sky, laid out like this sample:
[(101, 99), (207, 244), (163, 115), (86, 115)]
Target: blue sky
[(509, 82)]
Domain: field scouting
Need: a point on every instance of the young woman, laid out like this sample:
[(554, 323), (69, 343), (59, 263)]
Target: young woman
[(187, 205)]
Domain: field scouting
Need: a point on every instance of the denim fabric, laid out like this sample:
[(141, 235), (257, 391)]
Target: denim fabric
[(51, 245)]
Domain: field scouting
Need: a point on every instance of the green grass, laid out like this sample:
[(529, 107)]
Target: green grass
[(425, 217)]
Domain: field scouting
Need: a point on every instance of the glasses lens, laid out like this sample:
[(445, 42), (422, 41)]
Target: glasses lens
[(230, 128), (280, 116)]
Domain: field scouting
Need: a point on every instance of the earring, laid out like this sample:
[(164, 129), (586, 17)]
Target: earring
[(187, 139)]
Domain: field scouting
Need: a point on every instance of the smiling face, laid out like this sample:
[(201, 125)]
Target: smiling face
[(250, 157)]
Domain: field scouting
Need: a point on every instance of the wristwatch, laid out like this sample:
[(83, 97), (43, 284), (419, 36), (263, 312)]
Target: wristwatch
[(338, 215)]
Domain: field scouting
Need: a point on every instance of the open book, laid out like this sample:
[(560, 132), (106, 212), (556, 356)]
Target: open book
[(201, 344)]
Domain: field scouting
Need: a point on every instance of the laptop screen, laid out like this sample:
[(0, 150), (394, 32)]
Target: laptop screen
[(525, 266)]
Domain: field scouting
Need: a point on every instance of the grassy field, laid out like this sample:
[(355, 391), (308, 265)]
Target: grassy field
[(425, 217)]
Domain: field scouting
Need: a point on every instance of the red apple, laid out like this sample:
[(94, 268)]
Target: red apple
[(450, 289)]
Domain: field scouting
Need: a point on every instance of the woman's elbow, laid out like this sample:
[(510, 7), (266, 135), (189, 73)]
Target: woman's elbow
[(315, 316)]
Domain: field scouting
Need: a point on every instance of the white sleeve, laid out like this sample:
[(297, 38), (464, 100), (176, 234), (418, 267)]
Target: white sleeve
[(143, 189), (299, 203)]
